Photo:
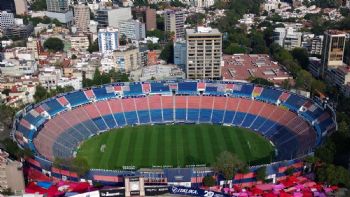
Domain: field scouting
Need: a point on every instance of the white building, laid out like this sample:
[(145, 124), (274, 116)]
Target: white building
[(79, 42), (6, 19), (108, 40), (316, 45), (17, 68), (76, 83), (49, 77), (288, 37), (158, 72), (133, 29), (112, 17)]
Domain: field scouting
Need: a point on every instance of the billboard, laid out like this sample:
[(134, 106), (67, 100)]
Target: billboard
[(187, 191)]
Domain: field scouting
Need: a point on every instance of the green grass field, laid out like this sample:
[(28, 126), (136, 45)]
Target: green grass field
[(175, 145)]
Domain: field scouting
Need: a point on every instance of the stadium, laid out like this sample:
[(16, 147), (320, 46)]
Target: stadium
[(170, 131)]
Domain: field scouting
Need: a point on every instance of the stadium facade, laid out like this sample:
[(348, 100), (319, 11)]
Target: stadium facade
[(55, 127)]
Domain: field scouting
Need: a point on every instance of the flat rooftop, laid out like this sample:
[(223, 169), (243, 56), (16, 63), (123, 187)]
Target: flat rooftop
[(241, 67)]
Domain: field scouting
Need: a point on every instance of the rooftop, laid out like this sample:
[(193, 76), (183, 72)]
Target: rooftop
[(203, 30), (241, 67)]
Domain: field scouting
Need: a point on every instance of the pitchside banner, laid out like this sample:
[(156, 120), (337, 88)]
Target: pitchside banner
[(194, 192)]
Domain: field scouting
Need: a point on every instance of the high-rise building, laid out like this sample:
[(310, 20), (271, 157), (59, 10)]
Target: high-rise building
[(6, 19), (133, 29), (333, 49), (203, 53), (57, 6), (112, 17), (174, 21), (316, 45), (21, 7), (180, 53), (108, 39), (59, 9), (82, 17), (8, 5), (147, 16)]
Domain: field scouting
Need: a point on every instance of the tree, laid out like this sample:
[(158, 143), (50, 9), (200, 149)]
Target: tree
[(93, 46), (156, 33), (208, 181), (195, 19), (235, 48), (289, 171), (74, 57), (260, 173), (333, 175), (39, 5), (80, 166), (261, 81), (167, 53), (302, 57), (123, 40), (41, 94), (54, 44), (12, 148), (227, 165), (326, 151)]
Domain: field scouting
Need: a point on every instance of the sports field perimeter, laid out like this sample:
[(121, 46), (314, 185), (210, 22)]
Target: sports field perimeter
[(174, 145)]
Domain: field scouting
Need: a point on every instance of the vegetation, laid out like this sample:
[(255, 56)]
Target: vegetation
[(227, 165), (156, 33), (77, 164), (195, 19), (6, 118), (41, 93), (93, 46), (175, 145), (208, 181), (39, 5), (12, 148), (103, 78), (261, 81), (54, 44), (261, 173), (167, 53)]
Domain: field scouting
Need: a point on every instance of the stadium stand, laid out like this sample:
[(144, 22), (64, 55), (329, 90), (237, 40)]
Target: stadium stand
[(55, 127)]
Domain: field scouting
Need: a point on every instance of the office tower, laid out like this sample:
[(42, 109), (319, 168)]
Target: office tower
[(112, 17), (21, 7), (6, 19), (108, 39), (133, 29), (82, 17), (60, 6), (180, 53), (174, 22), (203, 53), (316, 45), (333, 49), (146, 15)]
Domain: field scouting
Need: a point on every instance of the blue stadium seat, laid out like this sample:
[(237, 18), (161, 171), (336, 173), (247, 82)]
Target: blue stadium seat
[(99, 122), (28, 133), (134, 89), (180, 115), (266, 126), (168, 114), (270, 95), (238, 118), (217, 116), (131, 118), (109, 119), (91, 126), (242, 89), (205, 115), (36, 121), (53, 107), (192, 115), (156, 115), (257, 123), (248, 120), (101, 93), (229, 117), (187, 88), (159, 88), (294, 102), (83, 130), (144, 116), (119, 117), (76, 98)]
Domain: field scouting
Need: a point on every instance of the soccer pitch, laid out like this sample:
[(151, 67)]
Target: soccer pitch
[(173, 145)]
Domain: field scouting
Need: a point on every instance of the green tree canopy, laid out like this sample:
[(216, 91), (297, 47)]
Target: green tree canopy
[(167, 53), (235, 48), (54, 44), (261, 81), (261, 173), (39, 5), (227, 165), (302, 57), (334, 175), (93, 46), (208, 181)]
